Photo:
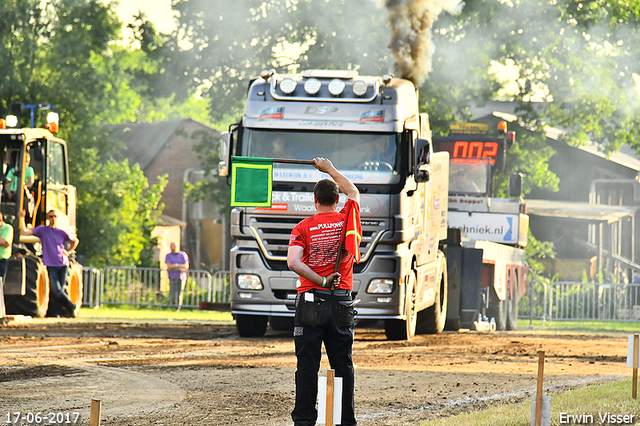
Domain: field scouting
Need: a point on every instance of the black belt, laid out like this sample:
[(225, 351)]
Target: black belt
[(337, 292)]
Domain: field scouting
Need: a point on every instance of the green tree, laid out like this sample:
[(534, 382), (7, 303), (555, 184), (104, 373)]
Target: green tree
[(63, 52), (120, 211), (578, 56)]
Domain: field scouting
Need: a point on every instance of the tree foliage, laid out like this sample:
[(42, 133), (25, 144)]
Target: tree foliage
[(121, 210), (579, 57), (62, 52)]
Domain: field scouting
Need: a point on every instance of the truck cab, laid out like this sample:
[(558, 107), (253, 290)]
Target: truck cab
[(372, 131), (487, 234)]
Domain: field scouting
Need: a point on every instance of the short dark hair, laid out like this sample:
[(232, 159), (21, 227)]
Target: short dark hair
[(326, 192)]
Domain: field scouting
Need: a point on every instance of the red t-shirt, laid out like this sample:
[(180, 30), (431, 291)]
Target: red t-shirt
[(319, 235)]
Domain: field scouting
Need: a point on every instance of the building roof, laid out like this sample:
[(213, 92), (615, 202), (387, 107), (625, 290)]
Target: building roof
[(580, 211), (143, 141), (164, 220), (626, 157)]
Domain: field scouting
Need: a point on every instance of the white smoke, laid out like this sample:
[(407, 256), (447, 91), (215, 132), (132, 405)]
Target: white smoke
[(411, 22)]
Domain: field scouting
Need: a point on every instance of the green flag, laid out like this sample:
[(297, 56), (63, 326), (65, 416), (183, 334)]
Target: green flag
[(251, 181)]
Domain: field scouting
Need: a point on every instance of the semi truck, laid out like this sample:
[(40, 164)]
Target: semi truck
[(487, 235), (372, 130), (25, 202), (422, 264)]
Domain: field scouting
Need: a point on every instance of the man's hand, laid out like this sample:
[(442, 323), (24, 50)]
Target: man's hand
[(333, 280), (323, 164)]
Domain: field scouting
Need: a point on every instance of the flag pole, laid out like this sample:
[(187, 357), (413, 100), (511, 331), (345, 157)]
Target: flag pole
[(340, 246), (286, 160)]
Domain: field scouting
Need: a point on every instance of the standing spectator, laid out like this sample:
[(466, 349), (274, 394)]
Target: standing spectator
[(56, 258), (6, 240), (177, 263), (324, 305)]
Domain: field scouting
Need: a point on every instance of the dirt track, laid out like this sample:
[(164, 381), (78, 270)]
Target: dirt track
[(197, 373)]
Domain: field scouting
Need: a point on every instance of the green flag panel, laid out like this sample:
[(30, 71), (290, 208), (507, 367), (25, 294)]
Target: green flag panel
[(251, 181)]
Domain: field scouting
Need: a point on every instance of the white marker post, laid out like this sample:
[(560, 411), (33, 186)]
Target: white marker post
[(632, 361), (541, 404), (539, 390), (330, 399)]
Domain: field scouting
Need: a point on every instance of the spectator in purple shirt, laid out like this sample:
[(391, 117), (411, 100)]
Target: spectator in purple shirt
[(56, 258), (177, 263)]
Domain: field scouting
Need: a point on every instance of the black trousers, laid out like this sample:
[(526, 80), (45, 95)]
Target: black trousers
[(329, 319), (57, 281)]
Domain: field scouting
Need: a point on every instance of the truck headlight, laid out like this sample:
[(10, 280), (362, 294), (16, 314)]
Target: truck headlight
[(249, 282), (380, 286)]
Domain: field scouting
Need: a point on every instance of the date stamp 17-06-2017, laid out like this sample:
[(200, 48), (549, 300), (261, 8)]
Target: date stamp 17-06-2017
[(40, 418)]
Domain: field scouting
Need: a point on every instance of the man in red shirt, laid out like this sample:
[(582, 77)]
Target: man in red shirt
[(324, 306)]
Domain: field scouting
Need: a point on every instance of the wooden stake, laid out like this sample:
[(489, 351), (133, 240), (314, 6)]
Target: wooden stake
[(539, 391), (96, 412), (634, 386), (329, 415)]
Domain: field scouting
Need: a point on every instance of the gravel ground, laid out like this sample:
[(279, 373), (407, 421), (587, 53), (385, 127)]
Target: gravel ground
[(183, 373)]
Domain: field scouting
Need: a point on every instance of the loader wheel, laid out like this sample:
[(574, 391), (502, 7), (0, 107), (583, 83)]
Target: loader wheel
[(251, 325), (35, 301), (74, 287), (405, 329)]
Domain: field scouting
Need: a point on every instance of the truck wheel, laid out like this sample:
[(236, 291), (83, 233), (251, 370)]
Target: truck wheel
[(405, 329), (497, 309), (281, 323), (512, 306), (432, 319), (74, 287), (35, 302), (251, 325)]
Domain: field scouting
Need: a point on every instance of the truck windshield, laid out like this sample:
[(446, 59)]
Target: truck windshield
[(467, 178), (362, 157)]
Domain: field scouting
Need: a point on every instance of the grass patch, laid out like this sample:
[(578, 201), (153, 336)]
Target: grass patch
[(592, 326), (613, 398), (132, 313)]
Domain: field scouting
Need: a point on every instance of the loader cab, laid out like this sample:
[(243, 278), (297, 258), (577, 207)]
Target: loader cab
[(35, 178)]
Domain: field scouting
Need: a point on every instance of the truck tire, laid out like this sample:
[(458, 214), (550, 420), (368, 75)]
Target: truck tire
[(497, 309), (433, 319), (251, 325), (35, 302), (405, 329), (74, 287), (512, 305), (281, 323)]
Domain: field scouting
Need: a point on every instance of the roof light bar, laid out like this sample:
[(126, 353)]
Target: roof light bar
[(288, 86), (312, 86), (359, 88), (336, 87), (12, 121)]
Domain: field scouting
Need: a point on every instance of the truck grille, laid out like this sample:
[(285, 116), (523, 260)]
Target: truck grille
[(273, 234)]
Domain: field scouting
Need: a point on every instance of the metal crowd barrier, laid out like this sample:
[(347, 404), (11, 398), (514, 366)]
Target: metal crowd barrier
[(594, 301), (115, 285), (577, 301)]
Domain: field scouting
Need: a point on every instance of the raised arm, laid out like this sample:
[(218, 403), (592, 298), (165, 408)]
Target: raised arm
[(326, 166)]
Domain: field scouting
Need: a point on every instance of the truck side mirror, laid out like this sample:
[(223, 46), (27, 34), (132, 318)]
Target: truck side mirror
[(422, 159), (515, 185), (223, 152)]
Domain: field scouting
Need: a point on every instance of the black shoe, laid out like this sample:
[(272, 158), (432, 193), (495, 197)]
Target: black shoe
[(70, 311)]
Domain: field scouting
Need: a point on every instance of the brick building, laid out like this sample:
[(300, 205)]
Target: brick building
[(168, 147)]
